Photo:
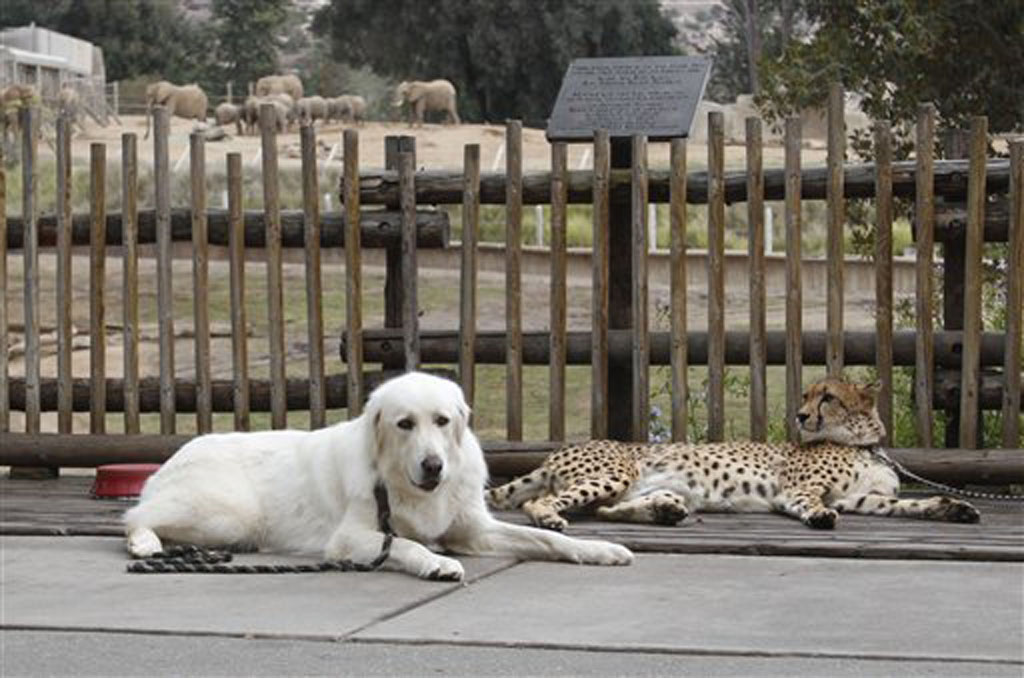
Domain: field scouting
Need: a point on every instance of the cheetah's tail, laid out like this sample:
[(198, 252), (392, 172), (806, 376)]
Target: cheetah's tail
[(514, 494)]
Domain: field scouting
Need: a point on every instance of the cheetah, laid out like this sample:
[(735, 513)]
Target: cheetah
[(835, 469)]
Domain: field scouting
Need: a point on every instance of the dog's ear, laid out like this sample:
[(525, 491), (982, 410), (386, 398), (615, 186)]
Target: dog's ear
[(462, 413), (371, 420)]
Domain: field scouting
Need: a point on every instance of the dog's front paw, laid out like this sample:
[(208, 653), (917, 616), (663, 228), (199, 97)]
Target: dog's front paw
[(442, 568), (143, 543), (596, 552)]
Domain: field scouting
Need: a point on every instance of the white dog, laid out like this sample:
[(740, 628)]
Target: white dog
[(313, 492)]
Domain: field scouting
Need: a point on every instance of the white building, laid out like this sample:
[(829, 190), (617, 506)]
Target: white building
[(48, 60)]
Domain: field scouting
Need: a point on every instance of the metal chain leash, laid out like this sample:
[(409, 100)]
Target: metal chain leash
[(904, 471), (191, 559)]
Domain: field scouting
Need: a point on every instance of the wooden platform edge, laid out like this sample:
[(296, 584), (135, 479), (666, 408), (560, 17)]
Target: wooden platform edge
[(976, 467)]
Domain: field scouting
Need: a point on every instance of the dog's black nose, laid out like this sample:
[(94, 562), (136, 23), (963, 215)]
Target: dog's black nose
[(432, 466)]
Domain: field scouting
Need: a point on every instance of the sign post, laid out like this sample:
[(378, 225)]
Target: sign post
[(652, 96)]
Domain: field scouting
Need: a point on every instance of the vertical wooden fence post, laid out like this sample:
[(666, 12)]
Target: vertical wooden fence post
[(275, 277), (314, 283), (1014, 297), (29, 119), (65, 407), (679, 357), (883, 273), (5, 401), (200, 283), (97, 275), (468, 278), (758, 320), (239, 326), (353, 276), (599, 288), (619, 394), (513, 283), (641, 344), (955, 146), (394, 282), (410, 295), (130, 279), (556, 373), (716, 276), (794, 294), (836, 216), (970, 386), (924, 217), (164, 274)]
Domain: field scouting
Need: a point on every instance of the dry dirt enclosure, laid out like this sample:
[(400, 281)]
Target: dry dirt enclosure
[(437, 146)]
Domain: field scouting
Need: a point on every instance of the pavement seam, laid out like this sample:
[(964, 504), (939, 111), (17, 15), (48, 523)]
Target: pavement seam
[(429, 599), (687, 651), (605, 649)]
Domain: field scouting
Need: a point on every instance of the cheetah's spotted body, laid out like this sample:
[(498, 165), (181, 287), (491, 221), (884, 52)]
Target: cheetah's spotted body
[(834, 470)]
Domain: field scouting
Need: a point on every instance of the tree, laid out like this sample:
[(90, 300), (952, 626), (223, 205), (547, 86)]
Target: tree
[(138, 38), (506, 59), (965, 57), (247, 34), (739, 35)]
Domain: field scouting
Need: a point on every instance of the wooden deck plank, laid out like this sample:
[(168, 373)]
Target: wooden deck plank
[(62, 506)]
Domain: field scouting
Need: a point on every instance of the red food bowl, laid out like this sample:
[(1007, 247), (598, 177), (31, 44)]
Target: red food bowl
[(121, 481)]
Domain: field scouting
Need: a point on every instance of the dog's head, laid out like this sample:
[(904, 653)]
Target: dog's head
[(419, 423)]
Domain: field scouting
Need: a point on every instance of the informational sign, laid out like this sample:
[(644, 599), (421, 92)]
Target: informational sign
[(654, 96)]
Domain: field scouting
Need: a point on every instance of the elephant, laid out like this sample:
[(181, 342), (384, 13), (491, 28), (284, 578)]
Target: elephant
[(311, 109), (435, 95), (279, 84), (185, 101), (250, 114), (287, 108), (12, 100), (350, 107), (226, 113), (282, 112)]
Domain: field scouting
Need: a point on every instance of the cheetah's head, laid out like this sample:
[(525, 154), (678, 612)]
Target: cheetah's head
[(840, 412)]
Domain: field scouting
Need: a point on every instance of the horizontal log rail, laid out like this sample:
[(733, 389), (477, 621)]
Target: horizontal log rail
[(982, 467), (949, 382), (445, 187), (296, 393), (379, 228), (951, 221), (441, 346)]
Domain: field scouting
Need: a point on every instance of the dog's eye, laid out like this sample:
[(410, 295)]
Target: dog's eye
[(827, 397), (406, 424), (441, 420)]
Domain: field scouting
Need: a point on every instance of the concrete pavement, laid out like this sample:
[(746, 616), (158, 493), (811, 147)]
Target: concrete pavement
[(68, 608)]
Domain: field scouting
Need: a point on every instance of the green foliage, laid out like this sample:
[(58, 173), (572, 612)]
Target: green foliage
[(506, 59), (963, 56), (246, 32), (322, 74), (729, 33)]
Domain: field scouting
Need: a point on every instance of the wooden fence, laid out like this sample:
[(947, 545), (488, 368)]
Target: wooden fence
[(620, 347)]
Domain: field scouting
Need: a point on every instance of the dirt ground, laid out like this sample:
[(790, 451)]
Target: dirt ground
[(437, 146)]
